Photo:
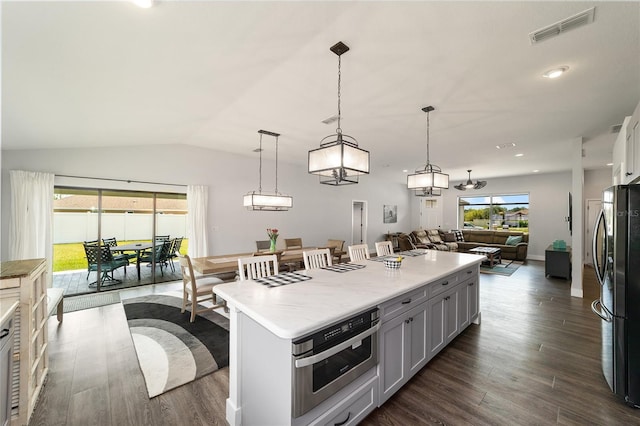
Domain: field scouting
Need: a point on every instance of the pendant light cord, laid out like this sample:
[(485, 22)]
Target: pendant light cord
[(276, 165), (427, 139), (260, 169), (339, 130)]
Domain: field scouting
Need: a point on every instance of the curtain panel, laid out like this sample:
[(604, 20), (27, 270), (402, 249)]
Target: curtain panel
[(31, 230), (197, 230)]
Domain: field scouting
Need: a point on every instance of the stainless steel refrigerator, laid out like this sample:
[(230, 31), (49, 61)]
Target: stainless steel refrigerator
[(616, 258)]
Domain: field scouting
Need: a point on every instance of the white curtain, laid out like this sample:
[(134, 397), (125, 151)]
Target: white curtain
[(31, 230), (197, 201)]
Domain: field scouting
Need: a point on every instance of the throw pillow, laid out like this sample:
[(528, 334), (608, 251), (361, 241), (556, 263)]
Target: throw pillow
[(513, 240), (449, 237), (434, 236), (458, 234)]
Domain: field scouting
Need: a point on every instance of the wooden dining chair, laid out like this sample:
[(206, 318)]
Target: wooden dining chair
[(263, 245), (293, 243), (314, 259), (338, 249), (384, 248), (197, 289), (250, 268), (359, 252)]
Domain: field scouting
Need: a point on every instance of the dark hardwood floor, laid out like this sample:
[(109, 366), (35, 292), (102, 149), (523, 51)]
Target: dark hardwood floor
[(534, 360)]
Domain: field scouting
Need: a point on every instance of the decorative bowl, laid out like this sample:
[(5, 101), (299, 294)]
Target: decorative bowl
[(392, 263)]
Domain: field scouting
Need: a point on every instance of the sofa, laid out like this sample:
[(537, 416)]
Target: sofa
[(434, 239), (514, 249)]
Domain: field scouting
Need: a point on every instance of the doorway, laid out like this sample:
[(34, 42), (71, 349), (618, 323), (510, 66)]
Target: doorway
[(85, 221), (593, 208), (359, 222)]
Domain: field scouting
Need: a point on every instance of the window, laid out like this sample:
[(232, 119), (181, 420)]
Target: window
[(494, 212)]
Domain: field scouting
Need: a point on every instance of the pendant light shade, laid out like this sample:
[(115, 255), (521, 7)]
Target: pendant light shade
[(469, 184), (339, 160), (264, 201), (428, 180)]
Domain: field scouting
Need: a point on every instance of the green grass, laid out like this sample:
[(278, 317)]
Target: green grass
[(71, 256)]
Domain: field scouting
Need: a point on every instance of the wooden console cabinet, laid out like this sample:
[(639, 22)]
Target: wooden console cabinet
[(24, 281)]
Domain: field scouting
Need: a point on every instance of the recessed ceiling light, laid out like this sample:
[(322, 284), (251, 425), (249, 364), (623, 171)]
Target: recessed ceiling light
[(506, 145), (556, 72), (536, 171), (609, 164), (519, 155), (405, 171)]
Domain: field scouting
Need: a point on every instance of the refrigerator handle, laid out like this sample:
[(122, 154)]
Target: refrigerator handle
[(594, 251), (599, 312)]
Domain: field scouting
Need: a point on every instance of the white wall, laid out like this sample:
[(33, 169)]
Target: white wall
[(595, 181), (320, 212), (548, 206)]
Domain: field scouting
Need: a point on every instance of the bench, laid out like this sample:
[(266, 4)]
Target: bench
[(55, 300)]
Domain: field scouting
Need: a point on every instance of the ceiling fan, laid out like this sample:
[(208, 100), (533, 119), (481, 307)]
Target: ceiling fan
[(470, 184)]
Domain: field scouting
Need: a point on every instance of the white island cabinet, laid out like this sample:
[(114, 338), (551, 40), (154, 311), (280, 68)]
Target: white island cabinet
[(265, 321)]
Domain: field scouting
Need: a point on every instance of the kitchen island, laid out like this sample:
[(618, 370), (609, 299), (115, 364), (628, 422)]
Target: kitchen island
[(437, 289)]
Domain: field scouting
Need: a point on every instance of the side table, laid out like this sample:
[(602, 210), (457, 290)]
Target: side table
[(557, 262)]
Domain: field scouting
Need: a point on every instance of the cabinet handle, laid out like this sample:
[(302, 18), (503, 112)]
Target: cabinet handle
[(628, 174), (469, 272), (406, 302), (406, 321), (4, 333), (345, 420), (445, 283), (470, 284), (447, 298), (411, 319)]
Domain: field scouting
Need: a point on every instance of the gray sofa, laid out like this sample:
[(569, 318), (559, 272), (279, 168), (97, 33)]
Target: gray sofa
[(486, 238)]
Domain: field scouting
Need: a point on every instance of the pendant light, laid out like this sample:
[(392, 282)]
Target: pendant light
[(339, 161), (470, 185), (258, 200), (428, 180)]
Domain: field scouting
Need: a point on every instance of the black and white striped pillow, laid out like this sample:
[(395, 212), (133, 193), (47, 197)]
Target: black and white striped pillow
[(458, 234)]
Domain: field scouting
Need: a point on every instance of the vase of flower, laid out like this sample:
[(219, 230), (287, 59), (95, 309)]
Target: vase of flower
[(273, 236)]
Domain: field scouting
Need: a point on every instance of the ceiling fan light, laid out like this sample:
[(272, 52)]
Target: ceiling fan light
[(470, 184)]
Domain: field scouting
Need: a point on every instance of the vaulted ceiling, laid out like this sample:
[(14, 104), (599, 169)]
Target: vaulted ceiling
[(210, 74)]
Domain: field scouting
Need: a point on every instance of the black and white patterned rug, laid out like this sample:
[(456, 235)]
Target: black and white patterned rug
[(171, 350)]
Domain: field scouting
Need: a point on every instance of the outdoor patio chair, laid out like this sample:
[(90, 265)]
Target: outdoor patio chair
[(118, 255), (100, 257), (159, 255), (174, 251)]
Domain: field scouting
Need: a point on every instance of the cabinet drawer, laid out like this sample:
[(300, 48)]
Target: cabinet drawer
[(443, 285), (399, 305), (353, 408), (467, 273)]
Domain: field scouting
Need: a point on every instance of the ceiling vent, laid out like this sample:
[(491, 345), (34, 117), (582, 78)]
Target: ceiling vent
[(330, 120), (616, 128), (570, 23)]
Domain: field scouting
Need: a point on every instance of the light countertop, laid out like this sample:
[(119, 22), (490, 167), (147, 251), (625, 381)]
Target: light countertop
[(294, 310)]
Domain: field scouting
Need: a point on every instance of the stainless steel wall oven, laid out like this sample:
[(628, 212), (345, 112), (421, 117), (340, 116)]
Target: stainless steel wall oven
[(330, 359)]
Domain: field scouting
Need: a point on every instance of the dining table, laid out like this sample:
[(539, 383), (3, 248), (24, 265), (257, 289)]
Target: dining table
[(229, 262), (138, 248)]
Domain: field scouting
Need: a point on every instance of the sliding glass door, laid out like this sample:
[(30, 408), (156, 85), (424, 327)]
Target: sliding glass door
[(107, 239)]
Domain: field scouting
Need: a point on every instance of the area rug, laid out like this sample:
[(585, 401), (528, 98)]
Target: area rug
[(77, 303), (505, 269), (171, 350)]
